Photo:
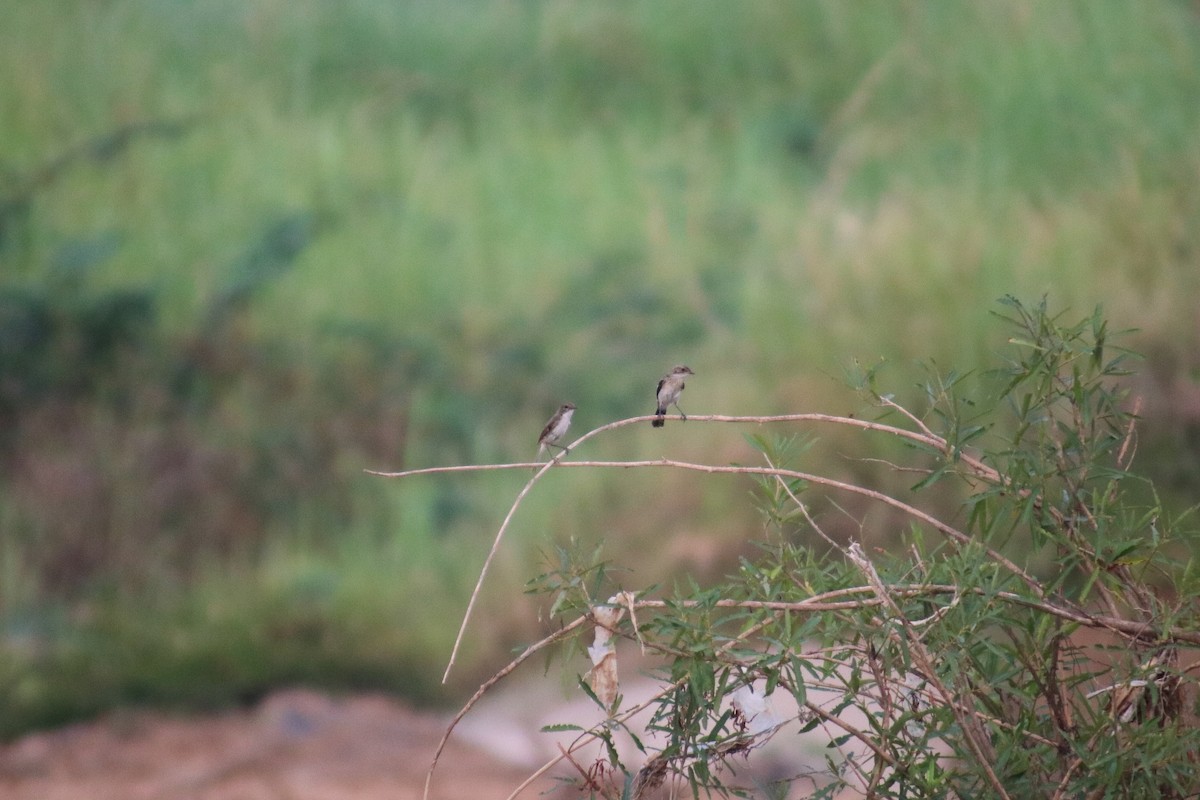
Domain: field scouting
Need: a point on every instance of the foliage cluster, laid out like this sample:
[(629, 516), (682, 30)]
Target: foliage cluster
[(1042, 646)]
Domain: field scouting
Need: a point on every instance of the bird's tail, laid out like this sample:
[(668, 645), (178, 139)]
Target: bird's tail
[(659, 421)]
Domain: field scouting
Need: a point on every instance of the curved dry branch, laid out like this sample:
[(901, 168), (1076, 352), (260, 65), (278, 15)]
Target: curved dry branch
[(928, 440)]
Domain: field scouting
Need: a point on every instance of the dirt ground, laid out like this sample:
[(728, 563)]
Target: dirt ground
[(296, 745)]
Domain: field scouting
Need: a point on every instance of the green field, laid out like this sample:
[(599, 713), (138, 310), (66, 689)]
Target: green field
[(249, 249)]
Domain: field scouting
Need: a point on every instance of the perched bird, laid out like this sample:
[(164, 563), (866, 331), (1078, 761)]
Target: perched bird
[(669, 389), (556, 428)]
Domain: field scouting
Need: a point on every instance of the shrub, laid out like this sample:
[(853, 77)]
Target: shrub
[(1036, 647)]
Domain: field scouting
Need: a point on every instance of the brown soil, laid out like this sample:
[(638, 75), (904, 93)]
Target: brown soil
[(296, 745)]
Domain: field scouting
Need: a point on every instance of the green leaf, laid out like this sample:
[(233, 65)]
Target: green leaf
[(588, 691), (930, 479)]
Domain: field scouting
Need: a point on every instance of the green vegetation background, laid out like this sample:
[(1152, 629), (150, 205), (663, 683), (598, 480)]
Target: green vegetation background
[(248, 249)]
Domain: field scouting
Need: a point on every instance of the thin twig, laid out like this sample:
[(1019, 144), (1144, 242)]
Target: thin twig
[(590, 783), (487, 562), (804, 510), (1125, 454), (913, 418), (488, 684)]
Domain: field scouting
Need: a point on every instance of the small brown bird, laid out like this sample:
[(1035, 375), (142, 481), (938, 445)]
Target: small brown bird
[(556, 429), (669, 389)]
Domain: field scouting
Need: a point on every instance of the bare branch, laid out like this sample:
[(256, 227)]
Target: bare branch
[(486, 687), (487, 562), (804, 510), (929, 440), (913, 418)]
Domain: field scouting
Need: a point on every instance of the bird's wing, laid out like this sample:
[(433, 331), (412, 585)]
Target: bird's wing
[(658, 391)]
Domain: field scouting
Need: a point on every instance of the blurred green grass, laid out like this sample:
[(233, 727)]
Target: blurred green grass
[(248, 249)]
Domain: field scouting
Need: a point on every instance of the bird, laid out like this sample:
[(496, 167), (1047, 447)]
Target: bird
[(555, 429), (667, 394)]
